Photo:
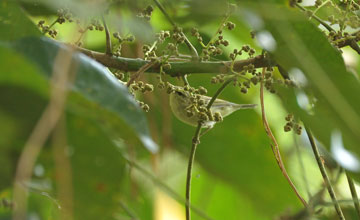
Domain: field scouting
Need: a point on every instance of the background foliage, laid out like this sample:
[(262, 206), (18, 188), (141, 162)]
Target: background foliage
[(127, 164)]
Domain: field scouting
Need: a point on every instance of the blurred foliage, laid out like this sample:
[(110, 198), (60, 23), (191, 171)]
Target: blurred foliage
[(236, 175)]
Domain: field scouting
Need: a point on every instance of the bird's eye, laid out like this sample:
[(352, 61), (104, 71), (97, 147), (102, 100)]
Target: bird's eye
[(180, 93)]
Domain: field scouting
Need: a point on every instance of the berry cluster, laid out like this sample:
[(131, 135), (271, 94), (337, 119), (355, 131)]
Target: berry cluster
[(292, 125), (121, 40), (146, 13), (63, 16)]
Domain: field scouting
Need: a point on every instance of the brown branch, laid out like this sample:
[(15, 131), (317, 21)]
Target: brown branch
[(177, 68), (274, 145)]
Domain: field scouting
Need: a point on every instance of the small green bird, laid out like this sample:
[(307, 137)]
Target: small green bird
[(181, 101)]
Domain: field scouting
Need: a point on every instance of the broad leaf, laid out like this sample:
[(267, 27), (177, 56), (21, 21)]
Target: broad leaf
[(304, 51)]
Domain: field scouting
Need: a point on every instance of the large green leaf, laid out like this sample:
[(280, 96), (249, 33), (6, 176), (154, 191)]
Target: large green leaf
[(97, 169), (96, 166), (304, 51), (13, 22), (93, 83)]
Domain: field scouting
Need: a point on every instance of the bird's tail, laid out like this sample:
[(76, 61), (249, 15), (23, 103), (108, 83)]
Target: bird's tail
[(246, 106)]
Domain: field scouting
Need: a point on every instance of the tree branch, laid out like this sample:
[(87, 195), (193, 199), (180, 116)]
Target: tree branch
[(177, 68)]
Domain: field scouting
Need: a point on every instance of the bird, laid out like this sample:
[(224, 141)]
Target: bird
[(182, 105)]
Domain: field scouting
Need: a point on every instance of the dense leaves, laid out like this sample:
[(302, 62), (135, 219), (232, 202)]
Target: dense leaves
[(84, 168)]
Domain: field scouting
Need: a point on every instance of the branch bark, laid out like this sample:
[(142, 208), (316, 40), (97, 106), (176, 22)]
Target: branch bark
[(177, 68)]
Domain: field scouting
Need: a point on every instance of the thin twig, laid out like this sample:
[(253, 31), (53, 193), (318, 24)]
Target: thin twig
[(319, 7), (139, 72), (107, 35), (195, 143), (324, 174), (218, 92), (353, 194), (274, 145), (192, 49), (128, 211), (221, 27), (323, 23), (50, 26)]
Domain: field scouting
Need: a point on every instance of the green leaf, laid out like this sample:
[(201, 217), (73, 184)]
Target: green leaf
[(304, 51), (13, 22), (93, 83), (97, 169)]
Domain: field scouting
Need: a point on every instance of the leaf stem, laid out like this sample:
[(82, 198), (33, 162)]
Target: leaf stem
[(324, 174)]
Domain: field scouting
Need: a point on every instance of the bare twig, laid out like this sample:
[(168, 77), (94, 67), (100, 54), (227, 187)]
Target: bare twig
[(128, 211), (353, 194), (274, 145), (47, 122), (324, 174), (194, 145), (139, 72), (107, 35), (323, 23)]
